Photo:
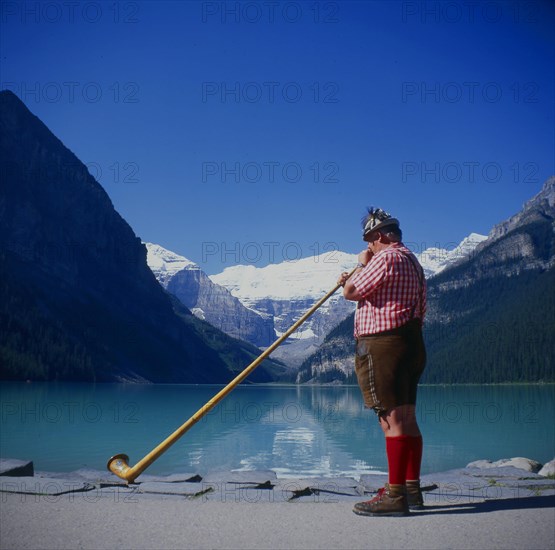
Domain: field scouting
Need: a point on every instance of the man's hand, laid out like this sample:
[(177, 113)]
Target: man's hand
[(349, 290), (365, 256), (342, 278)]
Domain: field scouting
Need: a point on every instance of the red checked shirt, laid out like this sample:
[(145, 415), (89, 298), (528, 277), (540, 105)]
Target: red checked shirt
[(394, 291)]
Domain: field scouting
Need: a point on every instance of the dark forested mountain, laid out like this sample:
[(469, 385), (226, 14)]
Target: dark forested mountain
[(491, 317), (77, 299)]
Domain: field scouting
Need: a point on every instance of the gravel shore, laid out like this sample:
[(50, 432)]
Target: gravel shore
[(467, 508)]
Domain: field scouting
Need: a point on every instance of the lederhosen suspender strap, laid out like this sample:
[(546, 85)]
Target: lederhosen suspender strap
[(420, 275)]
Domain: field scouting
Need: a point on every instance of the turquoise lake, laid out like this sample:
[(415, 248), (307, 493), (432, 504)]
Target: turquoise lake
[(295, 431)]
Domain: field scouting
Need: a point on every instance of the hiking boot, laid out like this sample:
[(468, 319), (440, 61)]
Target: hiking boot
[(414, 495), (390, 501)]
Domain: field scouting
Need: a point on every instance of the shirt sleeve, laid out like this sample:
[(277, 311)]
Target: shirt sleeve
[(371, 277)]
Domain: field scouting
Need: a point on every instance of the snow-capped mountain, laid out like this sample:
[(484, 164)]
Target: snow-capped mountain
[(165, 264), (290, 280), (207, 300), (435, 260)]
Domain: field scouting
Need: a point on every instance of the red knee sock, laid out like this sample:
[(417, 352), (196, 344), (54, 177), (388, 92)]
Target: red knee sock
[(398, 449), (415, 458)]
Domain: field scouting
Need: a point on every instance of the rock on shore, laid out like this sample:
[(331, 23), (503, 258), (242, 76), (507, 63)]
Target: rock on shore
[(548, 469), (518, 462)]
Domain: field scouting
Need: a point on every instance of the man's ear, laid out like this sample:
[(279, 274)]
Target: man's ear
[(384, 239)]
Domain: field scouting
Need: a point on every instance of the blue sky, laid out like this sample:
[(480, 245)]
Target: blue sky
[(252, 132)]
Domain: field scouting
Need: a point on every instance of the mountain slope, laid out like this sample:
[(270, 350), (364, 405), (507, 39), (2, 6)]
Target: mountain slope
[(77, 299), (206, 299), (490, 317)]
